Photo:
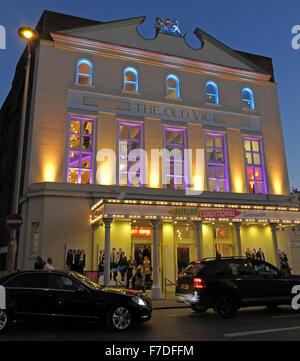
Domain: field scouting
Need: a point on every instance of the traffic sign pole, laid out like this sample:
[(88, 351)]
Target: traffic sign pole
[(12, 222)]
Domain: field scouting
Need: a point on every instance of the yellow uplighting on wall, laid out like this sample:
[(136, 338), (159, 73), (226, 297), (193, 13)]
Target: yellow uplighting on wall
[(168, 228), (277, 185), (49, 173), (105, 174), (154, 178), (106, 167), (198, 183), (238, 185)]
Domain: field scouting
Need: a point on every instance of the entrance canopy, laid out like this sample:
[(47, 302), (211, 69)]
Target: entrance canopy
[(164, 210)]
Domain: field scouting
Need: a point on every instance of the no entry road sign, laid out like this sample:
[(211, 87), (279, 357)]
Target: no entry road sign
[(13, 221)]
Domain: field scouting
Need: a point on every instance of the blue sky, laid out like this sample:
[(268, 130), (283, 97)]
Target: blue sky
[(259, 27)]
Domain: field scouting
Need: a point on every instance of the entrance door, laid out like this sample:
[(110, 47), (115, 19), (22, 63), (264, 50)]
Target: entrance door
[(183, 258), (141, 251), (224, 249)]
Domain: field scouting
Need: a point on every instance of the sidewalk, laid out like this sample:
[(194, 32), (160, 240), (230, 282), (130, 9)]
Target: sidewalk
[(167, 304)]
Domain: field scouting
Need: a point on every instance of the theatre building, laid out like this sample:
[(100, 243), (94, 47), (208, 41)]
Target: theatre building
[(103, 100)]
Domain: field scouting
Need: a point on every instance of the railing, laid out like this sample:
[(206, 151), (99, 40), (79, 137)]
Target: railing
[(168, 283)]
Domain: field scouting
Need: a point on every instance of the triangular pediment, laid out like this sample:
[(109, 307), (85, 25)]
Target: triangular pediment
[(125, 33)]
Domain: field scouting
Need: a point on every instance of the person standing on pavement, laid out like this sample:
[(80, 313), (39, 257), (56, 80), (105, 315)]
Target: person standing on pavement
[(122, 263), (113, 264), (130, 267), (40, 263), (260, 255), (139, 278), (147, 270), (49, 265)]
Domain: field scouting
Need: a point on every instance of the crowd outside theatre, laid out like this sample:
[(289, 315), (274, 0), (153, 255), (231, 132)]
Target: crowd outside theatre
[(40, 264), (136, 270), (75, 260)]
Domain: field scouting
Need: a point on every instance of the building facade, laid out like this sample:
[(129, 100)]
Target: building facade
[(104, 101)]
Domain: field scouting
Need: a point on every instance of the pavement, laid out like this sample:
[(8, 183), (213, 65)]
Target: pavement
[(167, 304), (167, 301)]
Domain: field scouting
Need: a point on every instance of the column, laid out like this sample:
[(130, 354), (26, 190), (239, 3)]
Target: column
[(275, 242), (199, 239), (156, 291), (107, 224), (237, 226), (94, 228)]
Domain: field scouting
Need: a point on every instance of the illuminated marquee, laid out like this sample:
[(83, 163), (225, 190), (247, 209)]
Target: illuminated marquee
[(204, 213)]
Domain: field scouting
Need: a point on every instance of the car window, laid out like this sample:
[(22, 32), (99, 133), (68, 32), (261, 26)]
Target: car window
[(193, 269), (29, 280), (87, 282), (216, 269), (264, 268), (62, 282), (241, 268)]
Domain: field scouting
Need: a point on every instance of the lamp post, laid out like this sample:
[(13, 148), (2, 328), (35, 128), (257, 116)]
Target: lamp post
[(28, 34)]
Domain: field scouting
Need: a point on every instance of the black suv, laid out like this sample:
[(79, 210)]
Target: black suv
[(58, 295), (226, 284)]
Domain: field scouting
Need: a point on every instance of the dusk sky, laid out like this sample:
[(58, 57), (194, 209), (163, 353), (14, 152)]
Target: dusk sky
[(259, 27)]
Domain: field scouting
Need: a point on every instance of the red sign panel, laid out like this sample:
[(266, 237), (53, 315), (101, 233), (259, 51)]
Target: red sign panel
[(92, 275), (141, 231), (13, 221)]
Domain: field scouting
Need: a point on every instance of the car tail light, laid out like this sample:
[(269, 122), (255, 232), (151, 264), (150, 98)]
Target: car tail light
[(199, 283), (176, 281)]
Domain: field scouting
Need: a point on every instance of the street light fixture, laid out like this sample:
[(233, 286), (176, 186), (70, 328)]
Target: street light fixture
[(29, 35)]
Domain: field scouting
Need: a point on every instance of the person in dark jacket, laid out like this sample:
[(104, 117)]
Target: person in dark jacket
[(69, 259), (130, 267), (78, 262), (122, 263), (39, 263), (260, 255), (139, 278)]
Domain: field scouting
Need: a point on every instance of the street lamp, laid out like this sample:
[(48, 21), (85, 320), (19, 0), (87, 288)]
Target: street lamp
[(28, 34)]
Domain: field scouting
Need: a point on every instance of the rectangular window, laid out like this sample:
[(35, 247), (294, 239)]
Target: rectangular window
[(80, 152), (254, 165), (216, 163), (174, 143), (130, 143), (35, 234)]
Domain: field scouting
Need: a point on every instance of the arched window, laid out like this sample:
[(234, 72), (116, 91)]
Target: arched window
[(248, 99), (131, 80), (172, 87), (212, 94), (84, 73)]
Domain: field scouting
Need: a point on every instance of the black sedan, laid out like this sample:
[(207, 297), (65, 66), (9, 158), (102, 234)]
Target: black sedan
[(57, 295)]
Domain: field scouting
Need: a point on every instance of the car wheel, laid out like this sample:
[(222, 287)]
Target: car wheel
[(226, 305), (4, 320), (119, 318), (198, 309)]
